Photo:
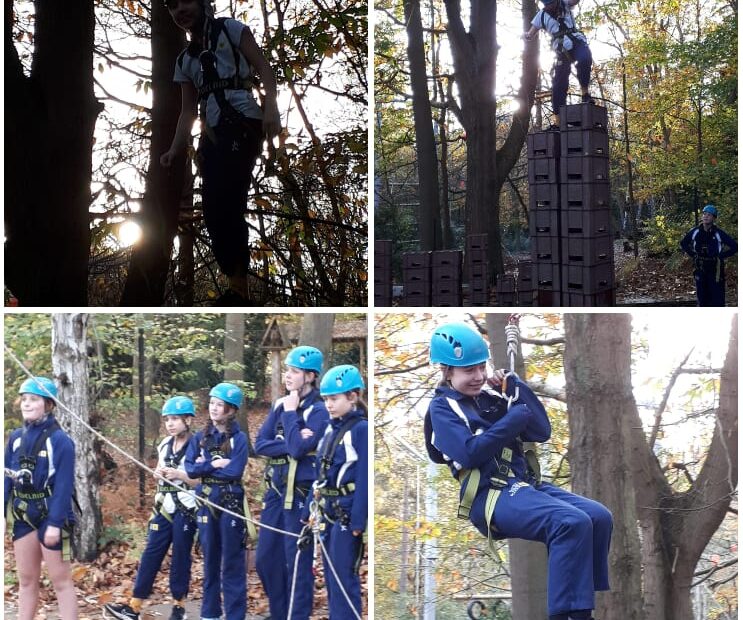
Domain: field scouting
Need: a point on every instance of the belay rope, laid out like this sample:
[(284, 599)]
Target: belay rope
[(249, 520)]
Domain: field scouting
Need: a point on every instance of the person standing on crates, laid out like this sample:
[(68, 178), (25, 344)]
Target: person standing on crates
[(479, 433), (39, 488), (173, 521), (706, 244), (288, 439), (570, 46)]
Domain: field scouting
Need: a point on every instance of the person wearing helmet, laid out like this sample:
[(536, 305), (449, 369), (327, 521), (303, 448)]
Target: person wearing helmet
[(288, 439), (217, 456), (173, 521), (342, 457), (39, 486), (477, 428), (709, 246), (570, 46), (215, 73)]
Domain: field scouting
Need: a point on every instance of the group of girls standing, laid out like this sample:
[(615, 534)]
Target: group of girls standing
[(316, 451)]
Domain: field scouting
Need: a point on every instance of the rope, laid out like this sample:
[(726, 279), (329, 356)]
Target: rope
[(133, 459)]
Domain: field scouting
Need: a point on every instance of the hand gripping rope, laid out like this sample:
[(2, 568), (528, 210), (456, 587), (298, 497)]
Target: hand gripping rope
[(314, 522)]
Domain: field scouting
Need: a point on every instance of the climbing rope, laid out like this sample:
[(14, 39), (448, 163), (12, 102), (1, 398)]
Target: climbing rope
[(315, 526)]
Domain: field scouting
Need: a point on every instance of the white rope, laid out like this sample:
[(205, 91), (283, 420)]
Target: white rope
[(133, 459), (337, 579)]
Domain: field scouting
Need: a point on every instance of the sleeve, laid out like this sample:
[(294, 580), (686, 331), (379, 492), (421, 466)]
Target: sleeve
[(539, 427), (455, 440), (179, 75), (194, 469), (234, 30), (266, 443), (537, 21), (730, 242), (63, 458), (360, 506), (238, 459), (686, 245), (297, 447)]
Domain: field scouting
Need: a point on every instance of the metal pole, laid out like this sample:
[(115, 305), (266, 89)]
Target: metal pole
[(430, 554), (141, 414)]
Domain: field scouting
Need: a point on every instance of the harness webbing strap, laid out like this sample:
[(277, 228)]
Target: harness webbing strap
[(490, 502), (343, 490), (290, 478), (530, 454), (471, 480)]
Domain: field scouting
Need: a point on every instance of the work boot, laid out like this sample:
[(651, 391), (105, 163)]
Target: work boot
[(123, 612), (178, 613)]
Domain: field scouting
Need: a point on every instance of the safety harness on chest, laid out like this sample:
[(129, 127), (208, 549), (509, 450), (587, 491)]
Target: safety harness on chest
[(212, 82), (326, 461), (173, 460), (701, 258), (564, 31), (227, 498), (24, 491)]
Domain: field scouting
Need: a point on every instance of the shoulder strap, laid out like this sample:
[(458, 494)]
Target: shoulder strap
[(41, 439), (330, 447)]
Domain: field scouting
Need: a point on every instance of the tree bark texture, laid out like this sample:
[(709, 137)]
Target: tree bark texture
[(70, 366), (600, 405), (164, 187), (49, 123), (677, 526), (317, 331), (527, 559), (234, 349), (429, 222)]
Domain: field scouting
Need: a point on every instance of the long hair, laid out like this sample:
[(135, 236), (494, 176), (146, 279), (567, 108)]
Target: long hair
[(232, 429)]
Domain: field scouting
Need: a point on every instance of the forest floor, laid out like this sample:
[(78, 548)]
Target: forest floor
[(110, 577)]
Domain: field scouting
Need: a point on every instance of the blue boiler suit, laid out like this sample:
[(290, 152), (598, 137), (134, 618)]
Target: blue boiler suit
[(345, 513), (47, 497), (707, 250), (222, 536), (470, 433), (279, 439), (178, 529)]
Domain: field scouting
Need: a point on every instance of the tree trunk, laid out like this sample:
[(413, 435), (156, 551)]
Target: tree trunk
[(676, 527), (317, 331), (164, 187), (234, 349), (600, 403), (429, 223), (49, 123), (528, 559), (70, 366)]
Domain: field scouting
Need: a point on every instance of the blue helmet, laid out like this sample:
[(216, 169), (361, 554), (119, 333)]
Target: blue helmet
[(341, 379), (41, 386), (711, 209), (457, 344), (305, 358), (229, 393), (178, 405)]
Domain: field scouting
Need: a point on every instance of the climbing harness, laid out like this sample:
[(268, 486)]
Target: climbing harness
[(558, 38), (700, 258)]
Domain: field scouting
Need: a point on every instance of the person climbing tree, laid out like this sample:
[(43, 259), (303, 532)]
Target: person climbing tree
[(570, 46), (215, 71), (705, 244), (478, 432)]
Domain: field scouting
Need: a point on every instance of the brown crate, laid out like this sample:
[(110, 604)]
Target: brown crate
[(585, 223), (544, 222), (505, 300), (586, 280), (382, 247), (548, 298), (584, 196), (543, 171), (544, 196), (477, 272), (477, 256), (442, 258), (547, 276), (416, 274), (545, 249), (526, 298), (505, 283), (382, 297), (591, 300), (447, 301), (584, 143), (441, 273), (582, 116), (584, 169), (587, 251), (416, 259), (477, 241), (525, 274), (444, 287), (540, 144)]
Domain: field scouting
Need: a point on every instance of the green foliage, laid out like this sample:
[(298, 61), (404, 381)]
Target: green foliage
[(662, 234)]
